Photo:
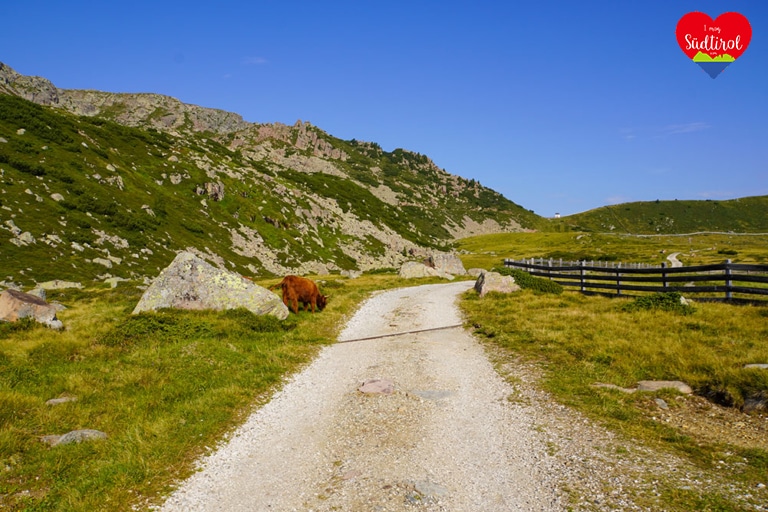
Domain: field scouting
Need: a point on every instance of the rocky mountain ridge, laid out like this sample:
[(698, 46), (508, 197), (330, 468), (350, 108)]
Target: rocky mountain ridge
[(125, 181)]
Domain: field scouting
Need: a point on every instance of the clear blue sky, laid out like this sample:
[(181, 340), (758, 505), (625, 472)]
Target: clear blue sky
[(562, 106)]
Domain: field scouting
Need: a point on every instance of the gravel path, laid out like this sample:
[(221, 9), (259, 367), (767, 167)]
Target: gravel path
[(448, 437), (454, 435)]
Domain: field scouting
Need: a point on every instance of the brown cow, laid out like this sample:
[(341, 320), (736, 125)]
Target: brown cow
[(299, 289)]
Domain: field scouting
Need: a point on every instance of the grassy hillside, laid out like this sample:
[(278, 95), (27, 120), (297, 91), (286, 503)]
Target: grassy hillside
[(84, 197), (744, 215)]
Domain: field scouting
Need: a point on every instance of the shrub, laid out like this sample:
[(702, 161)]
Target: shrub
[(528, 282), (669, 301)]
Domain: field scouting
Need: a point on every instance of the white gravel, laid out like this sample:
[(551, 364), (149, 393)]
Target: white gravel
[(453, 436), (446, 439)]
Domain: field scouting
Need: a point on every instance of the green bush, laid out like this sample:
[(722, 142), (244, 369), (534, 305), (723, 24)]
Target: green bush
[(670, 301), (528, 282)]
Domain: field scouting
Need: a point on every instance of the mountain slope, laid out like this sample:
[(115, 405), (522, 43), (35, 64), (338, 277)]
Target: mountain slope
[(97, 184)]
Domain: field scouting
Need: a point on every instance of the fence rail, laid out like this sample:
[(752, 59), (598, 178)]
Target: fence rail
[(723, 281)]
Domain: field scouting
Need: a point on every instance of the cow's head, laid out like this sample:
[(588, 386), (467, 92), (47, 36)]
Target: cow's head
[(322, 300)]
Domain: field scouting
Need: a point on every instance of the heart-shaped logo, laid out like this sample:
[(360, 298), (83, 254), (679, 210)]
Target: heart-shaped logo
[(713, 44)]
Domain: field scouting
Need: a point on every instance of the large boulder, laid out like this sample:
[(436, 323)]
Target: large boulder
[(412, 269), (15, 305), (447, 263), (495, 282), (191, 283)]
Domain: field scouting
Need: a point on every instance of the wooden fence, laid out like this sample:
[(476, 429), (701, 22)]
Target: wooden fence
[(723, 281)]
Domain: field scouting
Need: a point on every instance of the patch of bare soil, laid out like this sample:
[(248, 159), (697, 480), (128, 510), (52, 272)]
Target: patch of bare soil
[(699, 418)]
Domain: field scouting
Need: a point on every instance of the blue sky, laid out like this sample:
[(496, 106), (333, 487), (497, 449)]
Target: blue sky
[(562, 106)]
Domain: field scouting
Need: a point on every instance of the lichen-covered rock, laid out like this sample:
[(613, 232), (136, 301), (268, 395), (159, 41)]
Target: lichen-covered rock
[(15, 305), (75, 436), (655, 385), (495, 282), (191, 283), (447, 263), (58, 284), (413, 269)]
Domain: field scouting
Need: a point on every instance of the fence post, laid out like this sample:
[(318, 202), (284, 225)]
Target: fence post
[(618, 280), (583, 273), (728, 281), (664, 274)]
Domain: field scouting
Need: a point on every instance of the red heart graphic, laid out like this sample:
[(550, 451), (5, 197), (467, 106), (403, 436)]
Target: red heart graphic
[(729, 34)]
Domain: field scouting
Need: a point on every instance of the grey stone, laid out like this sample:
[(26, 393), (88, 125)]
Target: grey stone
[(102, 261), (58, 284), (26, 238), (15, 305), (759, 366), (614, 386), (75, 436), (191, 283), (752, 404), (655, 385), (447, 263), (38, 292), (377, 386), (495, 282), (476, 272), (113, 281), (414, 269), (662, 404), (62, 400)]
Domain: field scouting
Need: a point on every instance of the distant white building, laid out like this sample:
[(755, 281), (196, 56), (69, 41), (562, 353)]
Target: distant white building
[(557, 215)]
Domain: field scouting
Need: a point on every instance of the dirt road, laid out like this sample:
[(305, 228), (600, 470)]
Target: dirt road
[(447, 437)]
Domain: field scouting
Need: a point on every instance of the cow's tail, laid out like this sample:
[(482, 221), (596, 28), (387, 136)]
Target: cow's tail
[(278, 285)]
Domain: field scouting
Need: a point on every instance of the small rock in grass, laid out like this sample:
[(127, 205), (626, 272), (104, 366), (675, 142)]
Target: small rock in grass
[(655, 385), (75, 436), (62, 400)]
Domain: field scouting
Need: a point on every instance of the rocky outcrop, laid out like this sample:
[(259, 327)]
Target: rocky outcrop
[(495, 282), (189, 282), (131, 109), (214, 191), (15, 305), (32, 88), (415, 269), (447, 263)]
